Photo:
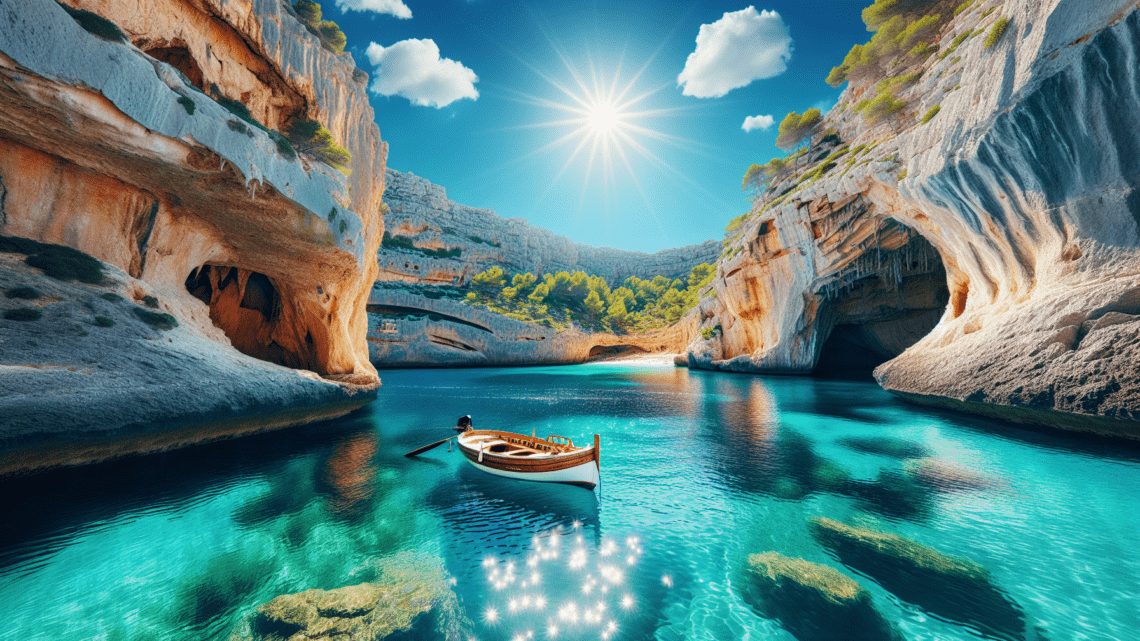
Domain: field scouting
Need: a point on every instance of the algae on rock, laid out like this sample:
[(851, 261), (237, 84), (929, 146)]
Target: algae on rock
[(813, 601), (950, 587)]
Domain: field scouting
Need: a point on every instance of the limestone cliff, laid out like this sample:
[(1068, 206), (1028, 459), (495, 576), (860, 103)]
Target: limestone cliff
[(417, 325), (1024, 182), (112, 147), (421, 212), (412, 330)]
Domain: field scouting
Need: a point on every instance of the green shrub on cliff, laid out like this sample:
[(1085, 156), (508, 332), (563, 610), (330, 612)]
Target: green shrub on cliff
[(759, 177), (964, 7), (795, 127), (155, 319), (929, 115), (311, 137), (330, 35), (24, 293), (187, 104), (23, 314), (94, 24), (284, 147), (493, 278), (996, 32), (903, 36)]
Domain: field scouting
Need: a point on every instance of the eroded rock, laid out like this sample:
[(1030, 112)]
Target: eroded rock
[(111, 151), (1026, 195)]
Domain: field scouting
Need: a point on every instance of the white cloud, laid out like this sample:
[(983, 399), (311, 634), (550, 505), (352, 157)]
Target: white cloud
[(391, 7), (414, 70), (758, 122), (732, 52)]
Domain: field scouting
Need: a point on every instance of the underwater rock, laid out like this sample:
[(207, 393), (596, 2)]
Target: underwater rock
[(804, 468), (886, 445), (395, 603), (950, 587), (892, 494), (813, 601)]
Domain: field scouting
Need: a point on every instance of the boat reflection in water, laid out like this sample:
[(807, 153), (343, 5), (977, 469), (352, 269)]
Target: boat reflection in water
[(560, 586)]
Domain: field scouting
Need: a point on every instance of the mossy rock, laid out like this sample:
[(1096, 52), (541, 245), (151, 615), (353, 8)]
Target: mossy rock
[(365, 611), (812, 601), (950, 587), (57, 261), (23, 293)]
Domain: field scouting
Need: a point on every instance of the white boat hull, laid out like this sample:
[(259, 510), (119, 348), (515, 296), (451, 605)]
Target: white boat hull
[(585, 474)]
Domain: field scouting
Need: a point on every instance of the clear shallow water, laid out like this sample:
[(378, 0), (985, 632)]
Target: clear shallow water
[(699, 470)]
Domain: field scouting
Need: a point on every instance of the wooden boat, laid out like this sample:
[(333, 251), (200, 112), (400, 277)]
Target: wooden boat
[(554, 459)]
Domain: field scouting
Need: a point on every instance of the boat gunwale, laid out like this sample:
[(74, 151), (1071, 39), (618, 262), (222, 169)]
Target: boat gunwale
[(546, 461)]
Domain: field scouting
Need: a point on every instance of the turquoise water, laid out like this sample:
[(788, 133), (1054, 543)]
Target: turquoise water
[(699, 470)]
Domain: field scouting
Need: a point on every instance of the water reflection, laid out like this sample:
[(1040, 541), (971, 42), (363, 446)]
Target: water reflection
[(347, 477)]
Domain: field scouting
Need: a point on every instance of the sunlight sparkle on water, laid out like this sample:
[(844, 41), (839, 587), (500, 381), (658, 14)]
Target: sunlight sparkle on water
[(583, 604)]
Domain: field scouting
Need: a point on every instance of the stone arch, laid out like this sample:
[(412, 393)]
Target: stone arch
[(177, 54), (886, 300), (257, 315)]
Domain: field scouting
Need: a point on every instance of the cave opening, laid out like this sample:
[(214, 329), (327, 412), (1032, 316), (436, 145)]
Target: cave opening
[(607, 352), (178, 56), (888, 299), (249, 307)]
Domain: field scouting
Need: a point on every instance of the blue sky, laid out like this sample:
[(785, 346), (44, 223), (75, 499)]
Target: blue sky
[(476, 109)]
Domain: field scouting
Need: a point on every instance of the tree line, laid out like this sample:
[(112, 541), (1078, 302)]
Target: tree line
[(562, 298)]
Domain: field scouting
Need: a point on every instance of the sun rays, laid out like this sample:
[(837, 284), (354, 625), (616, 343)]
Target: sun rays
[(607, 128)]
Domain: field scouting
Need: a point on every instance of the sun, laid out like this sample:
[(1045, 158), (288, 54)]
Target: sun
[(606, 123), (603, 117)]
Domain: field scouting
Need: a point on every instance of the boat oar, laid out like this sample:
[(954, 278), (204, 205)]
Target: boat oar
[(428, 447)]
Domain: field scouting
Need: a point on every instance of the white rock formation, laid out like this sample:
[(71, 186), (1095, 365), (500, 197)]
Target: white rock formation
[(109, 150), (1025, 184)]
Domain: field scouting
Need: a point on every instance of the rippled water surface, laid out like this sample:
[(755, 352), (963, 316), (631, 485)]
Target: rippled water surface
[(699, 470)]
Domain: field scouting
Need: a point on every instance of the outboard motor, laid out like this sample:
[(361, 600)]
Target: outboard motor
[(464, 424)]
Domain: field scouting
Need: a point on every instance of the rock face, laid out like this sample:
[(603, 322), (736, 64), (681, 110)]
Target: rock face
[(411, 330), (813, 601), (421, 212), (950, 587), (117, 153), (1025, 185)]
